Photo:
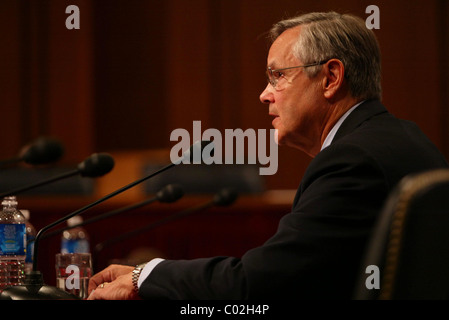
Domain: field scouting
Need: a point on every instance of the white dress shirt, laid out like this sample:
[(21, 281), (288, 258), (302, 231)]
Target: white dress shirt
[(330, 136)]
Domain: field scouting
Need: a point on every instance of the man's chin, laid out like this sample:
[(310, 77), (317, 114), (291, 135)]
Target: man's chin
[(281, 139)]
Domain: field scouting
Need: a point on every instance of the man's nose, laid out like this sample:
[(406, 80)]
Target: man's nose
[(266, 96)]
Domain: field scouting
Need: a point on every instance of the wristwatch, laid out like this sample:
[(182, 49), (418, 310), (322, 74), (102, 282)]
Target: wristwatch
[(136, 273)]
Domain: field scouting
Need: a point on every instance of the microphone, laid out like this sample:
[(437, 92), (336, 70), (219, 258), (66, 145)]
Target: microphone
[(34, 283), (96, 165), (168, 194), (40, 151), (223, 198)]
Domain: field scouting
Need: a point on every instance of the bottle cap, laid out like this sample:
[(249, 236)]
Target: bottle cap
[(9, 201)]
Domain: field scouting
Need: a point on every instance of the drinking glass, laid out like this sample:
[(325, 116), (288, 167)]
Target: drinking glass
[(73, 271)]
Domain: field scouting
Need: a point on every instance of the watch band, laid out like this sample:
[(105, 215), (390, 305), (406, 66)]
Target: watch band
[(135, 276)]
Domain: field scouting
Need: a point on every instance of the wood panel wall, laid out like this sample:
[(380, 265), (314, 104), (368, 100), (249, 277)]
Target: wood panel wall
[(136, 70)]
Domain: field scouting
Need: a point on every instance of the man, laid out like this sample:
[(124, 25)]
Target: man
[(324, 94)]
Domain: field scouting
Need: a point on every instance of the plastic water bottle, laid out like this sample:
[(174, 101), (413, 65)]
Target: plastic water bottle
[(31, 236), (75, 240), (12, 244)]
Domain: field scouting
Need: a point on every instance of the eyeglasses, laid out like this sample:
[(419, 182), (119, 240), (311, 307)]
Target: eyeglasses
[(273, 75)]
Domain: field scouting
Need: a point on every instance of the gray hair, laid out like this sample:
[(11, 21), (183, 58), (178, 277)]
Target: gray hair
[(326, 35)]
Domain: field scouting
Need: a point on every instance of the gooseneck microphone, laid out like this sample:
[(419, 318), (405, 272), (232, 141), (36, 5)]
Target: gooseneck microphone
[(223, 198), (168, 194), (96, 165), (34, 282), (194, 149), (40, 151), (34, 287)]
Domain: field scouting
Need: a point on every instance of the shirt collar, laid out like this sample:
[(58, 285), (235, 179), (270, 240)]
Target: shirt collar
[(330, 136)]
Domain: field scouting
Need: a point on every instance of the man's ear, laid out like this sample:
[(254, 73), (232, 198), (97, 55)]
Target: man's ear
[(334, 72)]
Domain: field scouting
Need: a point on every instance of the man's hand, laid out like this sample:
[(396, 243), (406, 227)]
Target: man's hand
[(113, 283)]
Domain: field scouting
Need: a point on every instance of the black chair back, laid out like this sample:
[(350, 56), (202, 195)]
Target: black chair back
[(410, 244)]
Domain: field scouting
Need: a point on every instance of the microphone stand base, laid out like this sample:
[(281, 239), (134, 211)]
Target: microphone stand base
[(35, 289)]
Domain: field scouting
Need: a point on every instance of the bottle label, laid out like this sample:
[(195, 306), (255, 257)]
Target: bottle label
[(12, 239), (75, 246)]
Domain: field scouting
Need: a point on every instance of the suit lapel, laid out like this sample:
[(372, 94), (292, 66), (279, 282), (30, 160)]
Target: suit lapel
[(362, 113)]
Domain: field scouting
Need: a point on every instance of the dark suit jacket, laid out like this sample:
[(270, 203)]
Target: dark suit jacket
[(317, 250)]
